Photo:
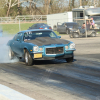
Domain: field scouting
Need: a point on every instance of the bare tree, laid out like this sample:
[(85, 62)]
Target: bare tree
[(80, 2), (47, 3), (73, 4), (9, 6), (11, 3), (69, 4)]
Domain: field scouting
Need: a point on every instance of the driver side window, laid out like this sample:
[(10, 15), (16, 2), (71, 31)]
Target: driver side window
[(18, 37)]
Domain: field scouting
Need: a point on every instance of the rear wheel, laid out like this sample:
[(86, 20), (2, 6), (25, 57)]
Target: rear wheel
[(75, 35), (69, 60), (28, 58), (11, 54)]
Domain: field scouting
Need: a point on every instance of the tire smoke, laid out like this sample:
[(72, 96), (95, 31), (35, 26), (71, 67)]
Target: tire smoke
[(4, 50)]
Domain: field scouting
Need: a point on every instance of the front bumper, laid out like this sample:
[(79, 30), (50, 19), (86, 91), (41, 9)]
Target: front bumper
[(66, 54), (57, 57)]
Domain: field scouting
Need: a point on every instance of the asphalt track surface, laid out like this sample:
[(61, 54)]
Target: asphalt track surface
[(57, 79)]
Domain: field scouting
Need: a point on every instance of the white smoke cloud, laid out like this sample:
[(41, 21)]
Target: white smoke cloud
[(4, 49)]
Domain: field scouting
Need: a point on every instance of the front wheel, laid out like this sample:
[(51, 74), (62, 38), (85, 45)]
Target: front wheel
[(28, 58), (69, 60), (93, 34), (75, 35)]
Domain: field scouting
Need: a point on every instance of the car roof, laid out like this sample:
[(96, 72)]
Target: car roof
[(40, 23), (71, 22), (36, 30)]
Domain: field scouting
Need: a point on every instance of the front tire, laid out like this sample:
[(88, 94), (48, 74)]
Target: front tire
[(75, 35), (93, 34), (69, 60), (28, 58)]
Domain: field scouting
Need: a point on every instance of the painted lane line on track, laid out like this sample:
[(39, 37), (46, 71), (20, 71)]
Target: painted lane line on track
[(7, 93)]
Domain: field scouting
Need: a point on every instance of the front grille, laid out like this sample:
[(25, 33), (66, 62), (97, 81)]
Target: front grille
[(57, 50)]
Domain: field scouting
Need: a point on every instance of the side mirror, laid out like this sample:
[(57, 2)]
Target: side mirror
[(59, 36), (17, 39)]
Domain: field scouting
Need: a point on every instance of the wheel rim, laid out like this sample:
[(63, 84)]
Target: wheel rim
[(10, 54), (26, 57), (93, 34), (76, 35)]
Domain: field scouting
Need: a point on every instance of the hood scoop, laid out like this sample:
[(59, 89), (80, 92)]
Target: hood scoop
[(47, 41)]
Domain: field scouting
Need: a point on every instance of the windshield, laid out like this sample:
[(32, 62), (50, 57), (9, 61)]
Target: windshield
[(34, 34), (72, 25), (95, 18)]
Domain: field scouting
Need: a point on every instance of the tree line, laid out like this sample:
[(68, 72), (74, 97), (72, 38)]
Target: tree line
[(41, 7)]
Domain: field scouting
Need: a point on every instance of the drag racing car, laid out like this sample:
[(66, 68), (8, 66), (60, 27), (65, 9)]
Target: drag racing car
[(40, 44)]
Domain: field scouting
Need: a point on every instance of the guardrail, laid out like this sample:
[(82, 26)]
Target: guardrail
[(24, 18)]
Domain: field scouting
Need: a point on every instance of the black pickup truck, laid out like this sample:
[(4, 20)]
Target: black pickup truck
[(65, 27)]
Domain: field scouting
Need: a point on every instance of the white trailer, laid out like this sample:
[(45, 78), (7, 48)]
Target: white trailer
[(53, 19)]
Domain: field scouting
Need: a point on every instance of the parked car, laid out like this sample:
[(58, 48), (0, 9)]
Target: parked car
[(66, 27), (40, 26), (40, 44)]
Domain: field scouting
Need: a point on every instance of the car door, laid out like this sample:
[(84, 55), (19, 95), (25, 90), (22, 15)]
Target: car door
[(17, 44), (61, 28)]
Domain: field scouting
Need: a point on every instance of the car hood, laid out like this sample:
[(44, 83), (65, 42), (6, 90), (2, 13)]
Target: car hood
[(47, 41)]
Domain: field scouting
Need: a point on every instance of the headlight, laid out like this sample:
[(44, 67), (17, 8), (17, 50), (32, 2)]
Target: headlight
[(35, 48), (72, 46)]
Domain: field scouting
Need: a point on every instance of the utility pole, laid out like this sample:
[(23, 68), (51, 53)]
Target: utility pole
[(47, 2)]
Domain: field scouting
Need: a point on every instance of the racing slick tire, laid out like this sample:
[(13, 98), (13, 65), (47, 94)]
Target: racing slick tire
[(75, 35), (11, 54), (28, 58), (69, 60)]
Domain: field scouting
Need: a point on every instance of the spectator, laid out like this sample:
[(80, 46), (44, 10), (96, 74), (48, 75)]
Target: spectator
[(92, 23), (87, 25), (83, 26), (67, 29)]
